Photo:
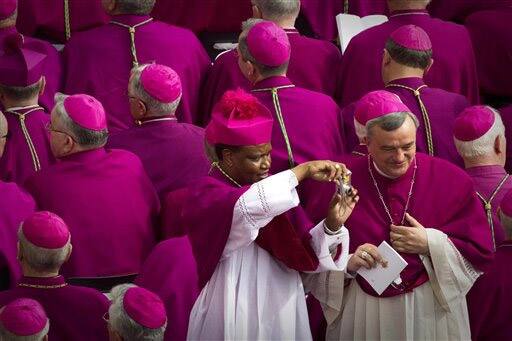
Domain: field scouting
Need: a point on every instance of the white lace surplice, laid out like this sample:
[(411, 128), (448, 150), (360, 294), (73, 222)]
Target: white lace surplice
[(251, 296)]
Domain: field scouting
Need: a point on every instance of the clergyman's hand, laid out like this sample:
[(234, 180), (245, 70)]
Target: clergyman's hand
[(320, 171), (410, 239), (366, 256), (340, 208)]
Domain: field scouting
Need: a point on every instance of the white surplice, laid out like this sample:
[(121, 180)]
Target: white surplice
[(252, 296), (435, 310)]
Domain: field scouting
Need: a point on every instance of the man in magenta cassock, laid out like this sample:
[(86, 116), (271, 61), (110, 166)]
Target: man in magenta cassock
[(58, 20), (311, 63), (479, 135), (98, 61), (172, 152), (426, 209), (21, 82), (407, 58), (489, 302), (104, 195), (75, 312), (170, 272), (23, 319), (17, 205), (458, 11), (453, 54), (52, 68)]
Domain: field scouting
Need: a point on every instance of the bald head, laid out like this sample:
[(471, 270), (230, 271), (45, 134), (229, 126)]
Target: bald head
[(3, 132), (278, 10), (399, 5)]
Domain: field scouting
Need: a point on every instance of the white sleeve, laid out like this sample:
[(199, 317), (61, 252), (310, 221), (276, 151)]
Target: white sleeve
[(262, 202), (451, 275), (323, 243)]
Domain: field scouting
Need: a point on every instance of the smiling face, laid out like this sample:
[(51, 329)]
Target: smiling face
[(393, 151), (247, 164)]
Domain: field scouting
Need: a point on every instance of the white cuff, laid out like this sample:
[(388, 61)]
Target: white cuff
[(322, 243)]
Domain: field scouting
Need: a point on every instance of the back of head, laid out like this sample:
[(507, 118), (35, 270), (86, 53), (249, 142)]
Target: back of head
[(398, 5), (278, 10), (139, 7), (8, 13), (136, 314), (410, 46), (506, 214), (23, 319), (45, 242)]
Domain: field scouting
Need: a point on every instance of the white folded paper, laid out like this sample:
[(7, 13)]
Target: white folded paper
[(350, 25), (380, 278)]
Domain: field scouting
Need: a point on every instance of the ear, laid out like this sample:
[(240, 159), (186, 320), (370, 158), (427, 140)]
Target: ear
[(70, 250), (43, 85), (227, 158), (386, 58), (69, 144), (45, 338), (256, 12), (498, 147), (365, 140), (427, 69), (19, 254)]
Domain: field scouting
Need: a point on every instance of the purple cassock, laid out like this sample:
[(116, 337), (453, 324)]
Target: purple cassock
[(458, 10), (110, 206), (311, 67), (491, 33), (453, 56), (170, 272), (321, 15), (28, 148), (75, 313), (489, 300), (172, 153), (52, 70), (492, 182), (506, 116), (50, 20), (456, 212), (16, 207), (98, 62), (442, 107)]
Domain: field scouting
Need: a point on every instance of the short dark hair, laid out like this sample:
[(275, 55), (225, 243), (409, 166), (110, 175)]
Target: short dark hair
[(21, 93), (408, 57), (135, 6), (220, 147)]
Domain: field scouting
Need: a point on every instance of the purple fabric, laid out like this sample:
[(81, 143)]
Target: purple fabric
[(311, 67), (86, 111), (46, 230), (16, 163), (321, 15), (46, 18), (473, 123), (506, 116), (110, 206), (489, 299), (75, 313), (456, 212), (412, 37), (268, 44), (442, 107), (458, 10), (52, 69), (491, 33), (170, 272), (144, 307), (486, 179), (23, 317), (453, 56), (172, 153), (98, 62), (17, 206)]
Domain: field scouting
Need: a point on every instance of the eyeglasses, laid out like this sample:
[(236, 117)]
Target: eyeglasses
[(49, 128), (106, 317)]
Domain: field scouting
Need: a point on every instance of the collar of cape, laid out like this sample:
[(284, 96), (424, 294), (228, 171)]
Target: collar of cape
[(42, 282)]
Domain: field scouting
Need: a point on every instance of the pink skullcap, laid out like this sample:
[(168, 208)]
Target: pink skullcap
[(473, 123), (239, 119), (7, 8), (161, 82), (23, 317), (46, 230), (506, 204), (268, 44), (21, 63), (376, 104), (144, 307), (412, 37), (86, 111)]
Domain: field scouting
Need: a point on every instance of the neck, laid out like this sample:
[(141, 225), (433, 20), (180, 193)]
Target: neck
[(404, 5), (28, 271), (285, 23), (405, 72), (260, 77), (227, 173), (484, 160), (7, 103)]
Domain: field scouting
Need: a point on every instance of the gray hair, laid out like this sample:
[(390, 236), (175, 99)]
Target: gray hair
[(82, 136), (9, 21), (391, 121), (153, 106), (40, 258), (135, 6), (360, 130), (8, 336), (484, 144), (277, 10), (124, 324), (266, 71)]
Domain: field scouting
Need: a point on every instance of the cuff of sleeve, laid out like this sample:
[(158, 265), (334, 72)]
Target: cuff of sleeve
[(323, 243)]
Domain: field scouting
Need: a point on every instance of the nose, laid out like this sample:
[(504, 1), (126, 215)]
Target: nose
[(267, 160), (399, 156)]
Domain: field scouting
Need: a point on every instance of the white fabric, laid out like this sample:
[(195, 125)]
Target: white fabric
[(435, 310), (251, 296)]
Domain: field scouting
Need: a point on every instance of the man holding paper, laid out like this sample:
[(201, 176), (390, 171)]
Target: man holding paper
[(426, 209)]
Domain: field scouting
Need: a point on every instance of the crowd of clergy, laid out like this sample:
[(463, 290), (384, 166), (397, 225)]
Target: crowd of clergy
[(155, 188)]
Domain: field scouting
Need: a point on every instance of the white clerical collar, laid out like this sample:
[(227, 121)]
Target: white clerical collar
[(408, 13), (22, 108), (158, 120), (382, 173)]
